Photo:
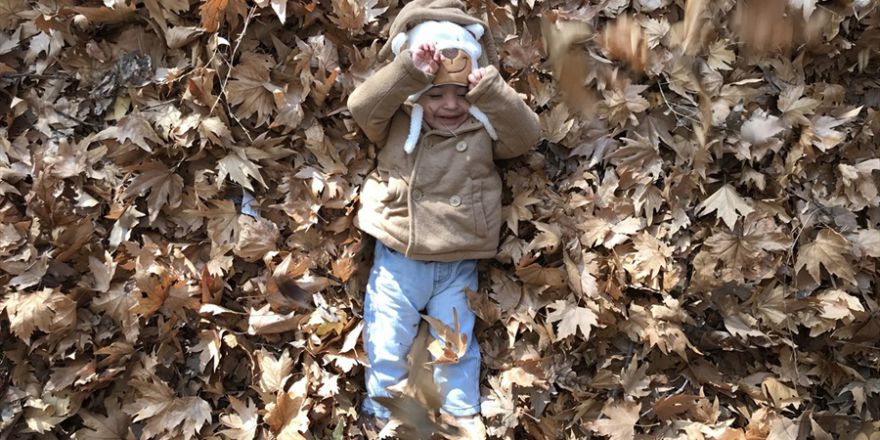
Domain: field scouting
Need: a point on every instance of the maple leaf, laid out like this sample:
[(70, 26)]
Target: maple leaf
[(28, 311), (623, 105), (651, 256), (212, 13), (102, 271), (242, 421), (250, 88), (556, 123), (165, 187), (640, 155), (286, 416), (828, 250), (620, 420), (288, 102), (273, 371), (164, 412), (518, 210), (209, 345), (257, 238), (239, 168), (635, 381), (794, 108), (549, 238), (720, 57), (114, 426), (571, 318), (655, 30), (727, 204), (137, 129), (223, 226), (582, 275)]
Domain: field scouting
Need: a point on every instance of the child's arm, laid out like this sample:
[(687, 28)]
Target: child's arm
[(374, 102), (516, 124)]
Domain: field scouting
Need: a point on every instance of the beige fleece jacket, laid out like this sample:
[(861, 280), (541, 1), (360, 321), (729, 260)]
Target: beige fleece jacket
[(443, 201)]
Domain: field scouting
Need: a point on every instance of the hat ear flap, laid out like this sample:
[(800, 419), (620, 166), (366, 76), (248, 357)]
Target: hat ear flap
[(397, 42), (476, 29)]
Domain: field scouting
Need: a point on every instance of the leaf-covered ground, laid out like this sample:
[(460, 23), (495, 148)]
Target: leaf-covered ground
[(690, 253)]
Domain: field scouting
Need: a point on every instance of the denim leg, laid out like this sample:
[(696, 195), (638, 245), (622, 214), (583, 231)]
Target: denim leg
[(397, 290), (459, 383)]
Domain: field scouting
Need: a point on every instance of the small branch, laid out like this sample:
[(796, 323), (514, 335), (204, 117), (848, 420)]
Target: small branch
[(223, 83), (675, 112), (75, 119), (34, 75)]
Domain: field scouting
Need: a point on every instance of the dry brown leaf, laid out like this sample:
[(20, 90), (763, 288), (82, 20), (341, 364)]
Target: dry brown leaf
[(828, 250), (242, 422), (619, 422), (572, 318), (727, 204), (450, 344)]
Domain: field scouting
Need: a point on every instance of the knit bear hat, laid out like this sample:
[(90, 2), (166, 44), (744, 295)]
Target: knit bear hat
[(451, 30), (458, 44)]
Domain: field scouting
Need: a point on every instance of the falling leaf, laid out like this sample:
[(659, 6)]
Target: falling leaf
[(451, 344)]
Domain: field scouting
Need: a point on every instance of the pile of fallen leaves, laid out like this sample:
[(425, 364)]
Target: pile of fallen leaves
[(690, 253)]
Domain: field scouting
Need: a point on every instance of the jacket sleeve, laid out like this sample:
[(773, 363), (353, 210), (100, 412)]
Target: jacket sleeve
[(373, 103), (515, 123)]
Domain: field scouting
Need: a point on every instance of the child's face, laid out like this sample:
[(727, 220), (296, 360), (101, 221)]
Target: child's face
[(445, 106)]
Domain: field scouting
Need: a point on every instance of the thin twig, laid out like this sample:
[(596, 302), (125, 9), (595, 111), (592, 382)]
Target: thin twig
[(75, 119), (35, 75), (225, 81), (675, 112)]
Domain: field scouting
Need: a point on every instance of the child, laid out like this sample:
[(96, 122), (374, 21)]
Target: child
[(441, 114)]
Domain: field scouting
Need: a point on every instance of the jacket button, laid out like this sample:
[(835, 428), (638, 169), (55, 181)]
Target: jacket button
[(461, 146), (417, 195), (455, 200)]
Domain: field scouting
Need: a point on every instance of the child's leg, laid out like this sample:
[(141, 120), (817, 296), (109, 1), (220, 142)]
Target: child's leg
[(459, 383), (397, 290)]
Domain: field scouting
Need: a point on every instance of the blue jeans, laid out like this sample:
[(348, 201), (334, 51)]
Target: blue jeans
[(399, 288)]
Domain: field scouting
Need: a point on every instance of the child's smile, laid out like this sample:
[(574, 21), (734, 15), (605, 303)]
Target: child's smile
[(445, 106)]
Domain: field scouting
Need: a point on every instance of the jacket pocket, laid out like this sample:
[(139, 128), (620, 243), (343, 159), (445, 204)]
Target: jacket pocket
[(480, 223)]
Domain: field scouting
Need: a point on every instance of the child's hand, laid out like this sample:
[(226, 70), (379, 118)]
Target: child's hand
[(475, 77), (426, 57)]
